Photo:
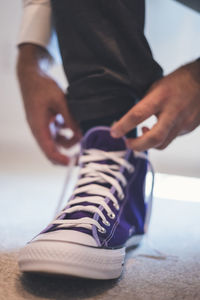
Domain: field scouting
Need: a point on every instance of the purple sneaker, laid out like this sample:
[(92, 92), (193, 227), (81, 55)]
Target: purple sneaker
[(106, 214)]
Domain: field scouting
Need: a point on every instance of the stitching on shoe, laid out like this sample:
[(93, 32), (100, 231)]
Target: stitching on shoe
[(121, 210)]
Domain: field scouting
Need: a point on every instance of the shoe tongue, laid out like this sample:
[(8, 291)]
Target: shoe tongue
[(100, 138)]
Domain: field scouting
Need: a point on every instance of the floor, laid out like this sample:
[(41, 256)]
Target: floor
[(166, 265)]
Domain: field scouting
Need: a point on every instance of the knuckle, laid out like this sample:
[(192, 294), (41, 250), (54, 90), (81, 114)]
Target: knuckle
[(156, 138), (189, 124), (164, 90), (156, 105), (58, 95), (162, 147), (192, 127)]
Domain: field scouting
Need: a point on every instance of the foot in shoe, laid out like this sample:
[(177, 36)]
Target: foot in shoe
[(106, 214)]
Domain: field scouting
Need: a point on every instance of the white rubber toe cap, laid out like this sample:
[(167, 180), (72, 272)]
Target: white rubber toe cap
[(67, 236)]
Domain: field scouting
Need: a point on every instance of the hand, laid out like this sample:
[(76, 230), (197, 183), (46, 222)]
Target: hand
[(174, 100), (44, 101)]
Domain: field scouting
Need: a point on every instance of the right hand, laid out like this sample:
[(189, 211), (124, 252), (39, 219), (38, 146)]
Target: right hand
[(43, 101)]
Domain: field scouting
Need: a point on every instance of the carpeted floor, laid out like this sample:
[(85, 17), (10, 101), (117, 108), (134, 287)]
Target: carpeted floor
[(174, 230)]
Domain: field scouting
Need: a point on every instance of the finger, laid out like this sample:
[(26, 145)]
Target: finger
[(175, 131), (145, 129), (147, 107), (66, 143), (46, 142), (68, 120), (51, 151), (178, 130), (154, 137)]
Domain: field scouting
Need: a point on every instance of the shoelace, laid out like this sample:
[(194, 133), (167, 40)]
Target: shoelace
[(62, 223), (90, 175)]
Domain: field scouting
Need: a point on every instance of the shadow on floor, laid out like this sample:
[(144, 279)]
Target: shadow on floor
[(63, 287)]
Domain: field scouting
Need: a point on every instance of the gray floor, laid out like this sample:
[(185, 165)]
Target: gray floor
[(174, 231)]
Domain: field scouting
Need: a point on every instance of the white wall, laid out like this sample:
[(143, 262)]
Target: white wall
[(173, 32)]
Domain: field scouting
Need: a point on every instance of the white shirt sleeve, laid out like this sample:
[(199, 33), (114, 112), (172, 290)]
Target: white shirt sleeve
[(36, 23)]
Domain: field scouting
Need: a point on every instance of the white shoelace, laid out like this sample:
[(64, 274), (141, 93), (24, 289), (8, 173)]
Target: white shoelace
[(90, 175)]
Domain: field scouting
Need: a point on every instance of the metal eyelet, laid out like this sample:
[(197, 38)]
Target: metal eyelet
[(111, 215), (106, 223), (102, 230), (116, 206), (131, 169), (121, 196)]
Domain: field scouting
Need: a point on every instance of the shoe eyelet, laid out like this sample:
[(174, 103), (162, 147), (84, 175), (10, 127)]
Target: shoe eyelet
[(106, 223), (131, 169), (102, 230), (111, 215), (121, 196), (116, 206)]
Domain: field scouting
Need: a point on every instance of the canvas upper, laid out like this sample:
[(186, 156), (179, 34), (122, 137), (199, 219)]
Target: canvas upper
[(122, 219)]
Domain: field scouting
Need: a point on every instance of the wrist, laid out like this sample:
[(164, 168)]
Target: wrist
[(32, 58)]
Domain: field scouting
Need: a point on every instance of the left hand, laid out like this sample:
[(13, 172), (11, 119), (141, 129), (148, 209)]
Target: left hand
[(174, 100)]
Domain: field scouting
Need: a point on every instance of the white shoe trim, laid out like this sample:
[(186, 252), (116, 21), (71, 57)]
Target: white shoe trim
[(71, 259), (72, 236), (59, 257)]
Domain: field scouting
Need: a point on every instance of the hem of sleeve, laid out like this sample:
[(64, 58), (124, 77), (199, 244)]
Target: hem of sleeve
[(36, 25)]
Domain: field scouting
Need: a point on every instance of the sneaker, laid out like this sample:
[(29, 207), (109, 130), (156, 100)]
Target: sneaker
[(106, 214)]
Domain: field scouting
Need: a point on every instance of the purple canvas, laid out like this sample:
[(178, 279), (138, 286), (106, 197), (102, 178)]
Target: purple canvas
[(130, 218)]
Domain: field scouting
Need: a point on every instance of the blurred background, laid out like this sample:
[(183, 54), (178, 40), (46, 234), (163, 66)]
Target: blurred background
[(30, 186), (173, 32)]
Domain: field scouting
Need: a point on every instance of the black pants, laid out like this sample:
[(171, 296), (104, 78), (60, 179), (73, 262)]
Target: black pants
[(106, 58)]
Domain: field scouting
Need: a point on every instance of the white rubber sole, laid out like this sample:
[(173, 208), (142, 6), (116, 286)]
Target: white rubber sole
[(72, 259)]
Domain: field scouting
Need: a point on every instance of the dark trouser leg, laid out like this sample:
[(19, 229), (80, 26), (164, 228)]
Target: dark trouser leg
[(106, 58), (104, 121)]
